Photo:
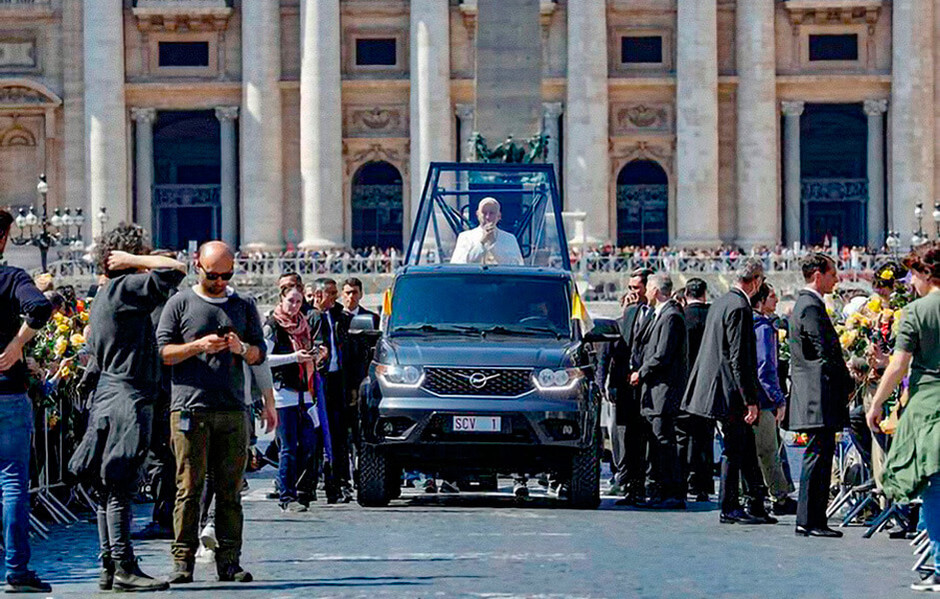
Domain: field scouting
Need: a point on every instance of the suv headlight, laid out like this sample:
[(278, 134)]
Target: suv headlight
[(564, 379), (391, 375)]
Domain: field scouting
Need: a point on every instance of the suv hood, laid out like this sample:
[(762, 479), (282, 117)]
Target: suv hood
[(494, 351)]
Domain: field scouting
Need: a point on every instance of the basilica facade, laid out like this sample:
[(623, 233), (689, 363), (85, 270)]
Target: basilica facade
[(288, 123)]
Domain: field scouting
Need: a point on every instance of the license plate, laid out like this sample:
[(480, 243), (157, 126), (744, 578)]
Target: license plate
[(477, 424)]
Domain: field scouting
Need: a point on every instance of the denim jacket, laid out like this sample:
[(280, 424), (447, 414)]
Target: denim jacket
[(771, 395)]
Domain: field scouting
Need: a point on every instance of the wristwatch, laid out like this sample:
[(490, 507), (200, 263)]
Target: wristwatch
[(243, 349)]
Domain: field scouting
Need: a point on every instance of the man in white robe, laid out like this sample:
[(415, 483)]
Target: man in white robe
[(487, 244)]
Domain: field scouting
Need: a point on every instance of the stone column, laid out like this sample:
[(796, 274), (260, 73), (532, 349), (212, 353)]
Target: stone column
[(464, 114), (758, 221), (587, 136), (912, 113), (261, 176), (144, 119), (792, 174), (551, 111), (321, 124), (229, 173), (697, 124), (875, 110), (105, 111), (431, 112)]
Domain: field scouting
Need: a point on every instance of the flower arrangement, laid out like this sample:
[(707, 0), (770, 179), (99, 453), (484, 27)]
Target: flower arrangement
[(52, 355)]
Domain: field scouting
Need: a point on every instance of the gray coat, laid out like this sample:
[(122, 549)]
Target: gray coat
[(665, 363), (821, 383)]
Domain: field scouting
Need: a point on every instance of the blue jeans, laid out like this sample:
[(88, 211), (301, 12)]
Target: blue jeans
[(297, 460), (16, 429), (930, 514)]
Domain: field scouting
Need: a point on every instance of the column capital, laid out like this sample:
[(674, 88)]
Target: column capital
[(464, 111), (144, 115), (552, 109), (792, 108), (226, 113), (875, 107)]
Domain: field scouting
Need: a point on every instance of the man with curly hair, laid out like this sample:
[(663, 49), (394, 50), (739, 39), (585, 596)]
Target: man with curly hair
[(123, 345)]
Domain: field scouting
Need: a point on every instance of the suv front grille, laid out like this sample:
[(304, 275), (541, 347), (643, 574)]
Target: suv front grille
[(499, 382)]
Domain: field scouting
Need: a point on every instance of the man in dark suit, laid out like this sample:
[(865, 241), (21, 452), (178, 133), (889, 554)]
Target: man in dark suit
[(356, 360), (329, 327), (819, 394), (627, 428), (695, 435), (661, 378), (723, 386)]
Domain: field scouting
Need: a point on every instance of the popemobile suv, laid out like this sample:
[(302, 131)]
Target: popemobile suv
[(483, 369)]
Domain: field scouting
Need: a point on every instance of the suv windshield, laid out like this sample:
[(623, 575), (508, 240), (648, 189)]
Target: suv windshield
[(468, 304)]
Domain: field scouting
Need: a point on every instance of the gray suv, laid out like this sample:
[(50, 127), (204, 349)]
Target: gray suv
[(481, 369)]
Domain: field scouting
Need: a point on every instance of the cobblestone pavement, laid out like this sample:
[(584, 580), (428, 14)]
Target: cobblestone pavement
[(494, 547)]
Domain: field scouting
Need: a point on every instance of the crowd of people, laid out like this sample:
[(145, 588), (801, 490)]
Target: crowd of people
[(682, 366), (176, 371)]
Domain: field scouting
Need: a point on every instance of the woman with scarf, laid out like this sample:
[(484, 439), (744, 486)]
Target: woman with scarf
[(293, 358)]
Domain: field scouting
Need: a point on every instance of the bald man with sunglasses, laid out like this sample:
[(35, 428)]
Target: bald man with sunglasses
[(206, 333)]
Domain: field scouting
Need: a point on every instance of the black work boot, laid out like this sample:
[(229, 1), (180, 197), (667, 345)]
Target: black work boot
[(232, 572), (182, 573), (129, 577), (106, 577)]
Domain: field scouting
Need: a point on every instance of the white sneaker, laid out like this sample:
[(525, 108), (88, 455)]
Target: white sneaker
[(207, 537), (931, 584), (204, 555)]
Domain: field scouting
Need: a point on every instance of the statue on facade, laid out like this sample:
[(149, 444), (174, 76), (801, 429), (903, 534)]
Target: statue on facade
[(535, 149)]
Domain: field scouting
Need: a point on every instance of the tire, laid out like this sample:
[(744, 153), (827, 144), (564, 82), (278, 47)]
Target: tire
[(373, 477), (584, 493)]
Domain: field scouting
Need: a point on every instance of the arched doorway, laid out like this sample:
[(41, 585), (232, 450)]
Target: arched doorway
[(642, 204), (377, 206), (834, 173), (187, 174)]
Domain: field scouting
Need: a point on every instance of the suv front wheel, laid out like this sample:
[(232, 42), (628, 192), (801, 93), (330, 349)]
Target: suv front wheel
[(373, 477), (585, 491)]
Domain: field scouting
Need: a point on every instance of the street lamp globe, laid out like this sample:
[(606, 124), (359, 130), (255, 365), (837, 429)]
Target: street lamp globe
[(103, 216), (79, 217), (31, 218), (67, 220), (919, 210), (936, 213), (56, 220), (21, 219), (42, 187)]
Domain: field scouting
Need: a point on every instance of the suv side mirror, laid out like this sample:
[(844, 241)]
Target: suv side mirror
[(605, 331), (364, 325)]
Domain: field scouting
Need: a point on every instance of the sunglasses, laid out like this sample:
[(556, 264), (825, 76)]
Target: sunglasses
[(214, 276)]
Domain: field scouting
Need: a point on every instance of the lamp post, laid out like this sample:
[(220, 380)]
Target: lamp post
[(893, 241), (936, 218), (919, 237), (63, 229)]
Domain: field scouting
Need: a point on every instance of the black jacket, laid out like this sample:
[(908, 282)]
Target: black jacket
[(723, 381), (322, 333), (613, 361), (19, 300), (821, 383), (665, 362), (695, 315)]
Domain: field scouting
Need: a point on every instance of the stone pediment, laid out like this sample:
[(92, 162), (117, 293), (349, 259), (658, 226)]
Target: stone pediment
[(25, 93), (823, 12), (182, 15)]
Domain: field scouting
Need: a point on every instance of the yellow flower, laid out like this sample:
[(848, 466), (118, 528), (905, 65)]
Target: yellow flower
[(65, 372), (62, 328), (83, 316), (77, 340), (848, 339), (60, 346), (782, 335), (874, 304), (887, 314), (887, 274), (59, 318)]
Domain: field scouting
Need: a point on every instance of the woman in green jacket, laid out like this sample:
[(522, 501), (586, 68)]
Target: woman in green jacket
[(912, 467)]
